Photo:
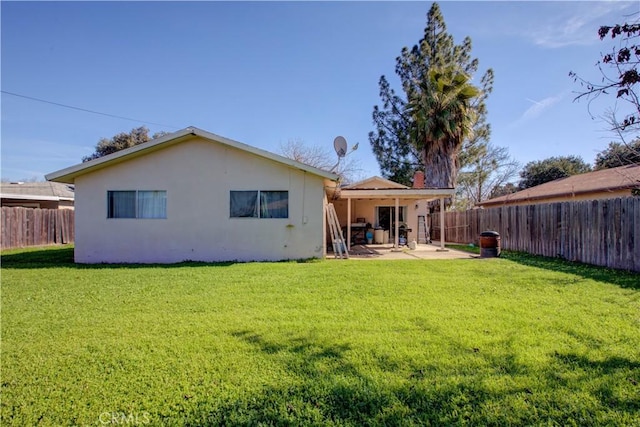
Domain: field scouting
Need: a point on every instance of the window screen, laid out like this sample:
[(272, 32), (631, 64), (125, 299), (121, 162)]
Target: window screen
[(244, 204), (137, 204)]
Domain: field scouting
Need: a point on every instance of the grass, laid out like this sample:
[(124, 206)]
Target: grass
[(515, 340)]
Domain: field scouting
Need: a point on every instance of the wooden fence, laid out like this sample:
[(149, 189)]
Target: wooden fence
[(36, 227), (600, 232)]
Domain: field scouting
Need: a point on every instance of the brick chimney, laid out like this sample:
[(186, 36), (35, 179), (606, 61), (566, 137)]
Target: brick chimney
[(418, 179)]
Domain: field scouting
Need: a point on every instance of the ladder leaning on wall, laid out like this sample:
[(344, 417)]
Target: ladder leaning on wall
[(337, 239), (423, 230)]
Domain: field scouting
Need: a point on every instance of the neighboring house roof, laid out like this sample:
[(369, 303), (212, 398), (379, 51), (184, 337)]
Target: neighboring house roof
[(52, 191), (602, 181), (69, 174)]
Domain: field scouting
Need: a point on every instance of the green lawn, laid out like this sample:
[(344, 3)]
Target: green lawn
[(515, 340)]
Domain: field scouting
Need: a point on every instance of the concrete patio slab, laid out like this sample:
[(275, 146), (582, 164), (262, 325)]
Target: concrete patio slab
[(387, 252)]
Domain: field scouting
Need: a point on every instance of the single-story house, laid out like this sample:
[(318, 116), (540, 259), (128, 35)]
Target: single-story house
[(623, 181), (194, 195), (43, 195)]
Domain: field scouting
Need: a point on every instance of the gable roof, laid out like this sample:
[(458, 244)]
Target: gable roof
[(53, 191), (69, 174), (606, 180), (374, 183)]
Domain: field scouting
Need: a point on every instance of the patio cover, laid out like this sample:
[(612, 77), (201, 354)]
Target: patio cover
[(380, 188)]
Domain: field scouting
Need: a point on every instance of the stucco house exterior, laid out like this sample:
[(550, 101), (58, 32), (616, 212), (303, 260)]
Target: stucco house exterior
[(194, 195), (40, 195), (623, 181)]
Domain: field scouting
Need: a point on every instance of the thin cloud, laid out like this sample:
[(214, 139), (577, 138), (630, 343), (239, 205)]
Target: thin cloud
[(537, 109), (579, 26)]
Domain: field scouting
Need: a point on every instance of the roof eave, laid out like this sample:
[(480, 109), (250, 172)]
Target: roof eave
[(266, 154), (553, 196), (31, 197), (406, 193), (69, 174)]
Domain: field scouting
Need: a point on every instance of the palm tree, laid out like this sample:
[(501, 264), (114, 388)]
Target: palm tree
[(443, 117)]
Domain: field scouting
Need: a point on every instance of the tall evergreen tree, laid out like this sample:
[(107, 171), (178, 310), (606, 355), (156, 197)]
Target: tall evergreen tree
[(440, 122)]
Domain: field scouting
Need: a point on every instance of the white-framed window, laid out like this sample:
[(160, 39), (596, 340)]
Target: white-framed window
[(259, 204), (141, 204)]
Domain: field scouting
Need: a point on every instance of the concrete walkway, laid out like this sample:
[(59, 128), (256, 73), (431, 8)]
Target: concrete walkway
[(422, 251)]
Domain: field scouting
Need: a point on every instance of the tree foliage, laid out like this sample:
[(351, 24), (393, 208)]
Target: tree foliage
[(620, 73), (442, 119), (503, 190), (618, 154), (477, 181), (439, 114), (121, 141), (541, 171)]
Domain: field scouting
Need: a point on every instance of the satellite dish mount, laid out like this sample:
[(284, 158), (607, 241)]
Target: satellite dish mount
[(340, 145)]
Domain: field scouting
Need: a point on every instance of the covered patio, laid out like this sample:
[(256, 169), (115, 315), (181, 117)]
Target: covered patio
[(384, 212)]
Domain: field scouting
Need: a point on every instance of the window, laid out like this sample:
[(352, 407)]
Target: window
[(136, 204), (122, 204), (259, 204), (152, 204)]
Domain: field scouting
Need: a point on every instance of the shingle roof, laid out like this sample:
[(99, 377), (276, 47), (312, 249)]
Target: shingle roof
[(37, 190), (619, 178)]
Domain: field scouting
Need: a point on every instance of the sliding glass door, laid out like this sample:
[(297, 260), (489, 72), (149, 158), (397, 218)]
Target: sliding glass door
[(386, 217)]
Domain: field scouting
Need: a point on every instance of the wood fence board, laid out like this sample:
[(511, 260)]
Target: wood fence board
[(18, 224), (36, 227), (603, 232)]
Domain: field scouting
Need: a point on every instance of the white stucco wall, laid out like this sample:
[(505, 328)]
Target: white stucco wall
[(198, 175)]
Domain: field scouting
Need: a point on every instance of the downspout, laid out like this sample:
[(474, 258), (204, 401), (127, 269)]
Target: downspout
[(324, 225)]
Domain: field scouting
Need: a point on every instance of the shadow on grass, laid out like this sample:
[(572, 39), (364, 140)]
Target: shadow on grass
[(62, 257), (329, 385), (624, 279), (619, 373), (327, 389), (606, 366)]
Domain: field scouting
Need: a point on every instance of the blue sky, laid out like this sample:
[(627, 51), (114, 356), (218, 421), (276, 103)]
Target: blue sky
[(264, 73)]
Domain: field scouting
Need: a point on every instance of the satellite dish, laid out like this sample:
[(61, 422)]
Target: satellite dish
[(340, 145)]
